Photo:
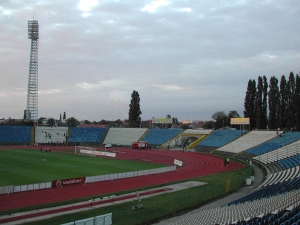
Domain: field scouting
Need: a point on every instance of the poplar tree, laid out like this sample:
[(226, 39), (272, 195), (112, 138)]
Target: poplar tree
[(265, 103), (273, 101), (258, 103), (134, 110), (277, 108), (297, 101), (282, 103), (249, 103), (290, 113)]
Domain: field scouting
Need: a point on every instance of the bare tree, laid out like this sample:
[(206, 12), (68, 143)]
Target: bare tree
[(220, 118)]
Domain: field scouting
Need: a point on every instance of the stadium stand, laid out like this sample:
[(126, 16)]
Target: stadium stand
[(160, 136), (273, 168), (187, 140), (88, 136), (265, 206), (259, 211), (221, 137), (217, 139), (283, 175), (270, 190), (124, 136), (248, 141), (290, 162), (276, 201), (15, 135), (50, 135), (279, 154), (275, 143)]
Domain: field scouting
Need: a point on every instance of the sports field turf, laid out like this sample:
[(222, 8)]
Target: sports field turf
[(25, 166)]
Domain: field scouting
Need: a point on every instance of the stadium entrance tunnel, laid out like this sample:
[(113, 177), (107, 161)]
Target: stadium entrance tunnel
[(189, 140)]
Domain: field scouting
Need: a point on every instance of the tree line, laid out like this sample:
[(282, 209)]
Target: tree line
[(275, 104), (268, 105)]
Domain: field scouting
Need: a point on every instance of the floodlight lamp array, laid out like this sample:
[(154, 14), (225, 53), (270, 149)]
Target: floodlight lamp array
[(33, 29)]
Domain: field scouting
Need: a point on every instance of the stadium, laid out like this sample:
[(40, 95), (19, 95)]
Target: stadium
[(151, 186), (105, 175)]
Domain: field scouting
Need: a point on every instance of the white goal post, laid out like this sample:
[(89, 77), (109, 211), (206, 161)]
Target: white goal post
[(85, 148)]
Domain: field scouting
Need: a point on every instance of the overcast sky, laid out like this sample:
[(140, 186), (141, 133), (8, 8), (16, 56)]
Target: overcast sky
[(186, 58)]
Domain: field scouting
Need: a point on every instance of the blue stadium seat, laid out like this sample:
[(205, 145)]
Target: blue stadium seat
[(88, 135), (221, 137), (275, 143), (15, 134), (289, 162), (160, 136)]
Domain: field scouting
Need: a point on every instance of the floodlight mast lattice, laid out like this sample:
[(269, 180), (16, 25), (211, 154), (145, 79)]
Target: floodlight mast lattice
[(32, 93)]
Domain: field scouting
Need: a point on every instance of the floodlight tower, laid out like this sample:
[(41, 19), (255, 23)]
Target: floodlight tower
[(32, 93)]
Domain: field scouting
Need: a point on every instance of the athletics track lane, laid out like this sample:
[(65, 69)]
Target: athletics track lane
[(195, 165), (80, 206)]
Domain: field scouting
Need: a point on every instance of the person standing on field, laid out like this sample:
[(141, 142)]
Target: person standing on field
[(227, 161)]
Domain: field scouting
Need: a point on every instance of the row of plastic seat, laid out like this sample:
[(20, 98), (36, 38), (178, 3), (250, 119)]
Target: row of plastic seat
[(15, 134), (245, 211), (289, 162), (124, 136), (221, 137), (289, 218), (286, 151), (51, 134), (284, 175), (267, 191), (88, 135), (275, 143), (160, 136), (248, 141)]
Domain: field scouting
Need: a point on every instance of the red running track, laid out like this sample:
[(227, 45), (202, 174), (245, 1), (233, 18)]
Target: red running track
[(80, 206), (194, 165)]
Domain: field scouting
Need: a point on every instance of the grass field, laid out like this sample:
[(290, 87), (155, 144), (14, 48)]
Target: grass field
[(25, 166)]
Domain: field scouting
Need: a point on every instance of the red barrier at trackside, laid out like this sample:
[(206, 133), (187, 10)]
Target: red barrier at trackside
[(61, 183)]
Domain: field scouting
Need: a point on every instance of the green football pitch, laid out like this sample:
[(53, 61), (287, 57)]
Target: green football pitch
[(25, 166)]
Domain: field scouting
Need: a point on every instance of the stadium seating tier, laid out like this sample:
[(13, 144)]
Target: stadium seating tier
[(86, 135), (160, 136), (48, 135), (124, 136), (15, 134)]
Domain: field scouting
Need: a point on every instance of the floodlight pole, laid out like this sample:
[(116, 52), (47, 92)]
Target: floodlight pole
[(32, 93)]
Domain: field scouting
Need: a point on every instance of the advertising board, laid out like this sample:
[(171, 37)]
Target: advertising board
[(162, 120), (61, 183), (235, 121)]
